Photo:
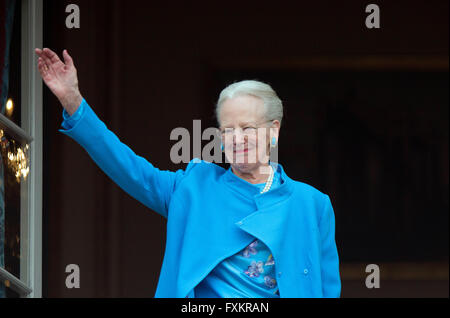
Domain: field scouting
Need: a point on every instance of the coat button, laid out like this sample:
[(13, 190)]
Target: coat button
[(305, 271)]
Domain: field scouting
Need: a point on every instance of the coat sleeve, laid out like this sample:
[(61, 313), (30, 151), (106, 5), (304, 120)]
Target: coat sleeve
[(134, 174), (331, 282)]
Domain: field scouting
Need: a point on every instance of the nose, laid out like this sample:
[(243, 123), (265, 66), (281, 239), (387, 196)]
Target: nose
[(239, 137)]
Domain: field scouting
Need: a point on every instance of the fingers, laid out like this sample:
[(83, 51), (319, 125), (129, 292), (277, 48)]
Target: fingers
[(43, 57), (47, 62), (43, 69), (43, 62), (52, 56), (67, 58)]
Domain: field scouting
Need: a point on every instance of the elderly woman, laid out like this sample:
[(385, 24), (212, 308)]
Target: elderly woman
[(246, 231)]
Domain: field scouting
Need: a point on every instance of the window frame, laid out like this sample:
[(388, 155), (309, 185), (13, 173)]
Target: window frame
[(30, 132)]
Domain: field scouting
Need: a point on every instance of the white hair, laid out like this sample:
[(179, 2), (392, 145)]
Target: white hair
[(272, 103)]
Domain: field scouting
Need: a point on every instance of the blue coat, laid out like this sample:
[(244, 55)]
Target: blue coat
[(212, 214)]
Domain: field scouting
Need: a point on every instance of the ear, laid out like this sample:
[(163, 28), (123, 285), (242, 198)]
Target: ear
[(275, 129)]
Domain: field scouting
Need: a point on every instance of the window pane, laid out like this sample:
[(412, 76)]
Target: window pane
[(14, 169), (10, 63)]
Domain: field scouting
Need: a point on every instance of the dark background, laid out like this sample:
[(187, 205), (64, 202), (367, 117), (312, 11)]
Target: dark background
[(366, 121)]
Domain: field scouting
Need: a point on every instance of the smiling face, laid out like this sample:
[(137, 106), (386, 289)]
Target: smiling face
[(245, 132)]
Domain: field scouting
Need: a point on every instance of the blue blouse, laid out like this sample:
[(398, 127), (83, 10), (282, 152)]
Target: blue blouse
[(247, 274)]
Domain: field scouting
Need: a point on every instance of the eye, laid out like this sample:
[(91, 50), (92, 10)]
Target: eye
[(249, 129), (226, 130)]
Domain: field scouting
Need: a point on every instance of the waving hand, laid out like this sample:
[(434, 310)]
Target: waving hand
[(60, 77)]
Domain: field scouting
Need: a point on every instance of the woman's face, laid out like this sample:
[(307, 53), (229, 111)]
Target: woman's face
[(245, 133)]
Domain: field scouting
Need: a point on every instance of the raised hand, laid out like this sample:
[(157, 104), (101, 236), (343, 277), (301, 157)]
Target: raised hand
[(61, 78)]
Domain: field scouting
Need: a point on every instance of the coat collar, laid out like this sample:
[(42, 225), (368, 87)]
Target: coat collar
[(250, 192)]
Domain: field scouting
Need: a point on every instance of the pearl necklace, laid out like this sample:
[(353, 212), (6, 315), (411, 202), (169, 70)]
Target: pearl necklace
[(269, 181)]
